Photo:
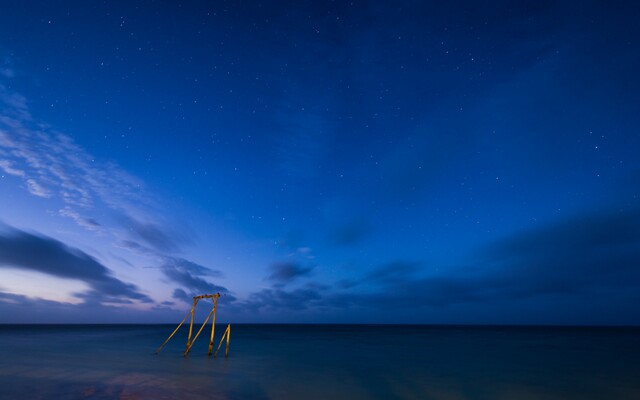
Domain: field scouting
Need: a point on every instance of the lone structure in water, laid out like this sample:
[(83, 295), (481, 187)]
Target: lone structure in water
[(227, 332)]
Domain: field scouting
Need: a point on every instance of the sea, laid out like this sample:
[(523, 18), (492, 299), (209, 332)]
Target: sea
[(328, 362)]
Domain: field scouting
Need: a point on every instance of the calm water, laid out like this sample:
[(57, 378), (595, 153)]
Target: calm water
[(321, 362)]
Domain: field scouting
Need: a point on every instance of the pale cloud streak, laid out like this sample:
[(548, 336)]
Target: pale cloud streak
[(6, 166), (36, 189), (87, 223), (99, 197), (52, 165)]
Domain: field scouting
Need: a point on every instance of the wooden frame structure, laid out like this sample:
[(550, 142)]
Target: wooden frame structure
[(213, 312)]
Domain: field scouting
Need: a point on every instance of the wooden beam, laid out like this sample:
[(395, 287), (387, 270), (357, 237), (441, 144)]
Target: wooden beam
[(193, 312), (227, 334), (199, 331), (173, 333), (213, 322)]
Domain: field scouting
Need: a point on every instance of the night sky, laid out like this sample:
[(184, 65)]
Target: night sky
[(351, 162)]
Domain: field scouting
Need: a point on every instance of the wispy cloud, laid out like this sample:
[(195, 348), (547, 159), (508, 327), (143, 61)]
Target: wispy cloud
[(593, 256), (161, 239), (37, 189), (28, 251), (191, 277), (87, 223), (99, 197), (53, 166), (8, 169), (15, 308), (286, 272), (279, 299), (595, 250)]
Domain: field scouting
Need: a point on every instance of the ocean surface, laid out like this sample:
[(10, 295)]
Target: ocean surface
[(320, 362)]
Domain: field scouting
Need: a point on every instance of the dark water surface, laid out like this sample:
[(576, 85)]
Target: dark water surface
[(321, 362)]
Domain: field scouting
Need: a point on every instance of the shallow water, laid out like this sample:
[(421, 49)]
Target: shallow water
[(321, 362)]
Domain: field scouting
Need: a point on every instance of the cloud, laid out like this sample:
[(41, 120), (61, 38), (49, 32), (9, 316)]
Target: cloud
[(285, 272), (8, 169), (599, 250), (134, 247), (191, 267), (584, 255), (180, 294), (590, 260), (15, 105), (37, 189), (19, 249), (52, 165), (153, 235), (87, 223), (388, 274), (398, 285), (279, 299), (19, 309), (190, 276)]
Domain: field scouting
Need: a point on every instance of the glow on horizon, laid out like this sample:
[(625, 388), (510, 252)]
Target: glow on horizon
[(41, 286)]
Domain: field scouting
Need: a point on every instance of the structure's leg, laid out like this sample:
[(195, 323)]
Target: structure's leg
[(193, 312), (226, 353), (199, 331), (213, 323), (225, 335), (173, 333)]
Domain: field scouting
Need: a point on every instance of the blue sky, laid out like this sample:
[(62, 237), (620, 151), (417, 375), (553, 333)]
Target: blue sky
[(342, 162)]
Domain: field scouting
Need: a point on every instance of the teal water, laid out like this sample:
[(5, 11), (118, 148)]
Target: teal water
[(321, 362)]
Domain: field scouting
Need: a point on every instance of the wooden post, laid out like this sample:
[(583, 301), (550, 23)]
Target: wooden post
[(173, 333), (199, 331), (226, 335), (213, 322), (193, 312), (226, 353), (213, 312)]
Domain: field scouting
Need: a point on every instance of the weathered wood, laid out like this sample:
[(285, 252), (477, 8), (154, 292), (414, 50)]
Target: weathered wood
[(207, 296), (192, 313), (199, 331), (173, 333), (213, 322), (226, 352), (227, 334)]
